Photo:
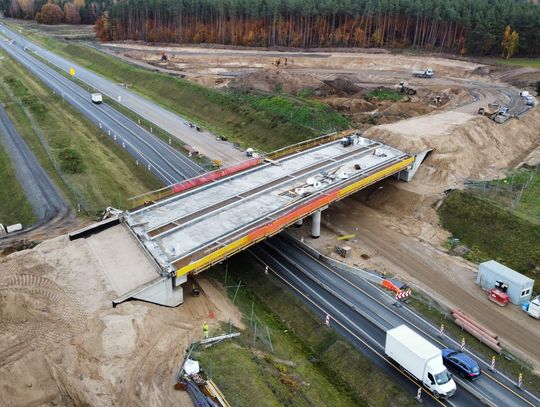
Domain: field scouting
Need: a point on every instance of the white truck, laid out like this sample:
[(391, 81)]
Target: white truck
[(10, 229), (97, 98), (421, 359), (426, 73), (532, 307)]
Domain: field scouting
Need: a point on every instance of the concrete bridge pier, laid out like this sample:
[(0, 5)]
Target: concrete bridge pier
[(316, 224)]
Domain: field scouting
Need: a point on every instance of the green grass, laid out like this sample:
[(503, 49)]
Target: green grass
[(14, 207), (383, 94), (106, 175), (512, 368), (493, 233), (267, 122), (529, 204), (310, 366), (519, 192), (525, 62)]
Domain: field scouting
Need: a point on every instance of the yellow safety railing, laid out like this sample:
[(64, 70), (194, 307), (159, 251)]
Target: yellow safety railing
[(304, 145), (151, 196)]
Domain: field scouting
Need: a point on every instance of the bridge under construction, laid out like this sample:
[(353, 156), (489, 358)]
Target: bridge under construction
[(190, 226)]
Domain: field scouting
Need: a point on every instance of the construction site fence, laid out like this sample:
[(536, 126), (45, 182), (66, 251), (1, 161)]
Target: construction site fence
[(304, 145), (508, 194), (170, 190)]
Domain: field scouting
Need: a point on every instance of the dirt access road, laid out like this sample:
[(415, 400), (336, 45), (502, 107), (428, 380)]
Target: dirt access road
[(53, 213), (250, 68)]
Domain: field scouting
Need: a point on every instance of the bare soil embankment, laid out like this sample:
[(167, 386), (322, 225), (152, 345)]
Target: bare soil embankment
[(62, 342)]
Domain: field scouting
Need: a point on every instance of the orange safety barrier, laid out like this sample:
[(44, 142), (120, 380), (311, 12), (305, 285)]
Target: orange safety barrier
[(390, 286)]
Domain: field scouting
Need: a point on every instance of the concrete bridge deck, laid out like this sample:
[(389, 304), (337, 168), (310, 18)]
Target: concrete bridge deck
[(190, 231)]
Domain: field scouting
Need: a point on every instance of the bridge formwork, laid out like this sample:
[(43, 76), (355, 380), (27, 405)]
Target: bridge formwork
[(205, 222)]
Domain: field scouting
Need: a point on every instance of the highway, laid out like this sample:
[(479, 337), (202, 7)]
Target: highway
[(361, 318), (160, 158), (173, 124), (363, 313)]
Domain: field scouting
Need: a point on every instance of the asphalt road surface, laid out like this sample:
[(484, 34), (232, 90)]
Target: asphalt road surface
[(45, 198), (160, 158), (368, 312), (203, 141)]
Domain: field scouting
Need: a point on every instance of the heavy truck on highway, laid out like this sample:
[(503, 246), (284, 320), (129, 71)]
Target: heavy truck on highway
[(421, 359)]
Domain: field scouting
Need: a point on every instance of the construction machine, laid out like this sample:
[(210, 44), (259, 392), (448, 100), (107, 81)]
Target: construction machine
[(280, 62), (425, 73), (488, 112), (403, 88)]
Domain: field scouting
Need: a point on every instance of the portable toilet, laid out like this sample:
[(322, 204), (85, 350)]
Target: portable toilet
[(518, 287)]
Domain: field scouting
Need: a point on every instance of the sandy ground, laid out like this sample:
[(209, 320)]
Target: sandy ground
[(61, 342), (397, 229), (469, 147), (216, 60), (343, 78)]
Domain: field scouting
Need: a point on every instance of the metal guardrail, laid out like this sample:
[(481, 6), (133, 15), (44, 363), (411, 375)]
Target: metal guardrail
[(304, 145), (140, 200)]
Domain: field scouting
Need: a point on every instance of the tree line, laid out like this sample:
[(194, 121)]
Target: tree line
[(458, 26), (55, 11)]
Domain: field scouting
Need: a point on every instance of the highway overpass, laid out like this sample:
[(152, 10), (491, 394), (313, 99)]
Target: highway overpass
[(209, 218)]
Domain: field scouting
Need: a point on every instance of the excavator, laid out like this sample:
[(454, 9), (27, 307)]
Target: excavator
[(277, 63), (403, 88)]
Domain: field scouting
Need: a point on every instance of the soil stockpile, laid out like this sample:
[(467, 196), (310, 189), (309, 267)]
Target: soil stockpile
[(464, 146)]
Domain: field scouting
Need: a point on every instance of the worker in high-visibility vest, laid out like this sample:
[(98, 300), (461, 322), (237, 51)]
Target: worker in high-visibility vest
[(205, 330)]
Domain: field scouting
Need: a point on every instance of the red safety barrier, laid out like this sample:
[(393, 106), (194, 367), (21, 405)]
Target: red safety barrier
[(403, 294), (389, 285), (214, 175)]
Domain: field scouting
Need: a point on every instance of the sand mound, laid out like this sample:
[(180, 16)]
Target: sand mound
[(533, 159), (61, 341), (272, 80), (351, 105), (464, 146), (342, 86)]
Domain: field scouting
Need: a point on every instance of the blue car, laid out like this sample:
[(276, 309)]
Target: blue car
[(461, 363)]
